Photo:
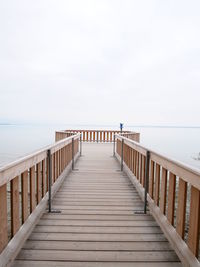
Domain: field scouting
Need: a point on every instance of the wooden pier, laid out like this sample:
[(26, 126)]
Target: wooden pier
[(97, 216), (97, 225)]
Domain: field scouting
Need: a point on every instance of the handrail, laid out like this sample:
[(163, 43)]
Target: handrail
[(105, 136), (29, 177), (172, 186), (131, 135), (187, 172)]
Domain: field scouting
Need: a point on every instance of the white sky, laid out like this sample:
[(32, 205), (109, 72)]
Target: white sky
[(100, 62)]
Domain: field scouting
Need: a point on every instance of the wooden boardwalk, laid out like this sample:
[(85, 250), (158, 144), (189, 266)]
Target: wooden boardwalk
[(97, 225)]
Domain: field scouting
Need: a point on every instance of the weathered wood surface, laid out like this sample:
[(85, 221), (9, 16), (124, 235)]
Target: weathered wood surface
[(97, 225)]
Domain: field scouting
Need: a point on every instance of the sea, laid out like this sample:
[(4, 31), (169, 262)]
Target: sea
[(180, 143)]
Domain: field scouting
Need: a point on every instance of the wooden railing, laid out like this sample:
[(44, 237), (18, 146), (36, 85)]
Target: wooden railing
[(131, 135), (96, 135), (59, 135), (173, 195), (24, 184)]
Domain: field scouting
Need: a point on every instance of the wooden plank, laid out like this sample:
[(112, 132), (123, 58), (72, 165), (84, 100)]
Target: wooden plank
[(24, 184), (56, 164), (47, 175), (171, 198), (60, 154), (143, 170), (15, 216), (81, 212), (194, 223), (53, 167), (97, 229), (151, 180), (137, 167), (3, 217), (44, 178), (133, 158), (163, 192), (82, 222), (136, 207), (180, 218), (98, 246), (97, 203), (25, 263), (32, 189), (97, 237), (39, 182), (99, 199), (98, 255), (99, 217), (157, 185)]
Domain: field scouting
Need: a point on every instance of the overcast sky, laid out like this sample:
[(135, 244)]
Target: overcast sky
[(100, 62)]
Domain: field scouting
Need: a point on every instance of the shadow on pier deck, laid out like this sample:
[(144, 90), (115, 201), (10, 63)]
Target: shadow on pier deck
[(97, 225)]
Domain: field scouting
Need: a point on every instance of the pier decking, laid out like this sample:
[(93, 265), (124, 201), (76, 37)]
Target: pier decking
[(97, 225)]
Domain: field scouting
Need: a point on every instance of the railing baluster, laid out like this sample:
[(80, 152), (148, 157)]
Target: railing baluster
[(80, 145), (122, 154), (180, 218), (3, 217), (43, 178), (171, 198), (141, 168), (114, 147), (15, 217), (39, 182), (194, 223), (49, 176), (57, 165), (24, 184), (146, 180), (72, 153), (163, 192), (32, 189), (151, 180), (157, 184)]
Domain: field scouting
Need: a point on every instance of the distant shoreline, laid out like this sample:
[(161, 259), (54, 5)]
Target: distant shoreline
[(111, 126)]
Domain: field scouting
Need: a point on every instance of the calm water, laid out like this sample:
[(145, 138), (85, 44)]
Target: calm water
[(179, 143)]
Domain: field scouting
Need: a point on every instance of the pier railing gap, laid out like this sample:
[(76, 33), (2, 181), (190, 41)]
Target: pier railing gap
[(172, 191)]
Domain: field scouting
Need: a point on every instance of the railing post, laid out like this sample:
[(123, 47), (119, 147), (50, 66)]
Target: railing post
[(122, 154), (146, 181), (80, 144), (72, 153), (114, 147), (49, 176)]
